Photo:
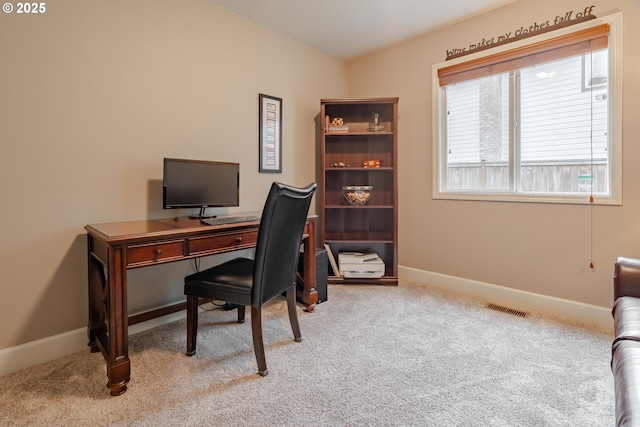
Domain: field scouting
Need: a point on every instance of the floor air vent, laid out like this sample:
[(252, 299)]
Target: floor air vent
[(506, 310)]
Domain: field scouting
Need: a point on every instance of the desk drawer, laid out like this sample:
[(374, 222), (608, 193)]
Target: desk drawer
[(221, 243), (154, 252)]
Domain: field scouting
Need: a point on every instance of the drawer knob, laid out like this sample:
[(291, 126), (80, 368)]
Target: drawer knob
[(158, 252), (238, 239)]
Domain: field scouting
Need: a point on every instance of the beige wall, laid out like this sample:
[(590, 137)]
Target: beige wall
[(540, 248), (93, 95)]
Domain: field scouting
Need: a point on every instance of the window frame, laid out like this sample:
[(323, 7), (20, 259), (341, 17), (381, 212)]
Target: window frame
[(615, 123)]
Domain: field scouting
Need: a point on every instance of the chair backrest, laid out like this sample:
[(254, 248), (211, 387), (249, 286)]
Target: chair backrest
[(279, 238)]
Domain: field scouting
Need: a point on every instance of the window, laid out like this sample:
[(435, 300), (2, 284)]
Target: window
[(536, 121)]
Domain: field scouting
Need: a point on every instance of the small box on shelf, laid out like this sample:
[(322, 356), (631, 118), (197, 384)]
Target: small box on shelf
[(373, 163)]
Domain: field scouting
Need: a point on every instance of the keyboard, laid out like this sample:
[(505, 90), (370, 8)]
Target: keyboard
[(229, 220)]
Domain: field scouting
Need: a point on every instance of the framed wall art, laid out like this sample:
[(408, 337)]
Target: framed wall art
[(270, 134)]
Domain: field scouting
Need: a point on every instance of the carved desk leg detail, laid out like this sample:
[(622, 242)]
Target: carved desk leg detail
[(120, 372)]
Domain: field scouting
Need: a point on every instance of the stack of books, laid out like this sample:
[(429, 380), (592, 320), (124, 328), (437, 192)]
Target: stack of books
[(338, 129)]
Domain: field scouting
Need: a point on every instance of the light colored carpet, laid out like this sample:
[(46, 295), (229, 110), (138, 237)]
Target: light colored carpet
[(371, 355)]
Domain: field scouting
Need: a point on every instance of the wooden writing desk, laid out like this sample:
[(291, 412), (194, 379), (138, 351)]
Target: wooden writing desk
[(114, 248)]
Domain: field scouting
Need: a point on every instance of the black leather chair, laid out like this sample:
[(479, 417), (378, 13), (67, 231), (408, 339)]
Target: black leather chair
[(245, 282)]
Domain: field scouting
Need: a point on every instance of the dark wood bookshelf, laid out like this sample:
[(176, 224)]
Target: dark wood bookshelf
[(373, 226)]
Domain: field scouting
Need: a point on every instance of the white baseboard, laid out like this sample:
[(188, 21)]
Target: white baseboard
[(40, 351), (563, 309), (33, 353)]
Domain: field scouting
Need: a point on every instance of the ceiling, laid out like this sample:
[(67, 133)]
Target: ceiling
[(348, 29)]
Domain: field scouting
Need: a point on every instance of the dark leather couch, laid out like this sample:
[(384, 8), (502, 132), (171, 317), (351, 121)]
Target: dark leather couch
[(625, 351)]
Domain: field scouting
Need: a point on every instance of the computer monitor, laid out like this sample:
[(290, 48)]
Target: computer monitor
[(200, 184)]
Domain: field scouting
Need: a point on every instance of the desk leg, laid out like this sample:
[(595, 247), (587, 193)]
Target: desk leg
[(118, 364), (108, 322), (309, 294)]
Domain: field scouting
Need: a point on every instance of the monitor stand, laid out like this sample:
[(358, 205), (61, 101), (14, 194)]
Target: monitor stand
[(202, 215)]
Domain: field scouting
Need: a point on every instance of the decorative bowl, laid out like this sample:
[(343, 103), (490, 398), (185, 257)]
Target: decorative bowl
[(357, 195)]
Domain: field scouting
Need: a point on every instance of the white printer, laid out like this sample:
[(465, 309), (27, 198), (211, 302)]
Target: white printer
[(360, 264)]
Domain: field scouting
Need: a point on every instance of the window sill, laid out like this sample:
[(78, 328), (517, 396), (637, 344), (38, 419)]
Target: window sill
[(582, 199)]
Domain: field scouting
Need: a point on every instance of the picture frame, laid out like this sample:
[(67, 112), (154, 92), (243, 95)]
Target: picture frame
[(270, 144)]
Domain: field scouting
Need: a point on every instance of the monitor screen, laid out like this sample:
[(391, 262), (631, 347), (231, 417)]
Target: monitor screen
[(200, 184)]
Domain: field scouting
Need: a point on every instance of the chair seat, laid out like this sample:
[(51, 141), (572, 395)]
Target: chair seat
[(230, 281)]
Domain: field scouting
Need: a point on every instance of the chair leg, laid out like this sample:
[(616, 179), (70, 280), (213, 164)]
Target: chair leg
[(192, 324), (241, 313), (258, 344), (293, 313)]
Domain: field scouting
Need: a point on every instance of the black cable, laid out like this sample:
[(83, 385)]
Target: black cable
[(217, 306)]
